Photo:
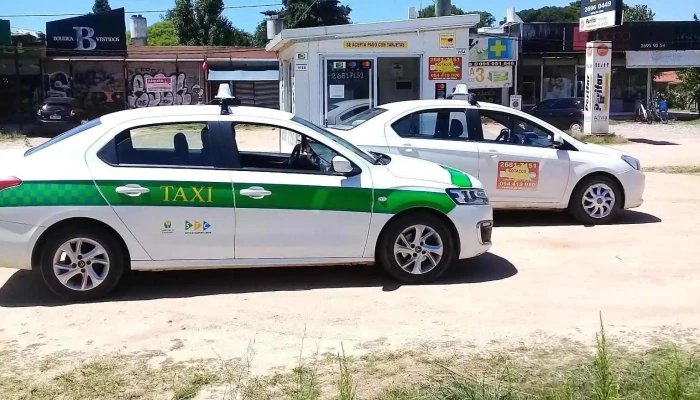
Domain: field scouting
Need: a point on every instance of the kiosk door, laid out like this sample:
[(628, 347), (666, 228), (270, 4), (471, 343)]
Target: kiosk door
[(348, 88)]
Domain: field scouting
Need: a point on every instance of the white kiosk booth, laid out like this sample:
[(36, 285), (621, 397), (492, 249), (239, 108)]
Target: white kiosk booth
[(331, 73)]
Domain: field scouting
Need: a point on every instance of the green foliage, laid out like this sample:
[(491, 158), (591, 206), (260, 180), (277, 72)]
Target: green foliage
[(162, 33), (259, 37), (202, 24), (638, 13), (689, 88), (310, 13), (101, 6), (487, 19)]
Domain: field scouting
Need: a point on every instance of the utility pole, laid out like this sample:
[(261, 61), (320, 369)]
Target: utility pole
[(443, 8)]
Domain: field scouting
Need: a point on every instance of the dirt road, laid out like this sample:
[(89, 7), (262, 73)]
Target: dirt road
[(544, 276)]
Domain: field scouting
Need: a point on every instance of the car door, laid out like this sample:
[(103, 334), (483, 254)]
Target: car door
[(440, 135), (299, 209), (520, 165), (160, 178)]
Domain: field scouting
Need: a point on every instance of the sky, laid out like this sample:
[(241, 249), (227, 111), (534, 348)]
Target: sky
[(362, 10)]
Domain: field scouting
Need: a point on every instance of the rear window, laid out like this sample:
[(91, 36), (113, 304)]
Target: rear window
[(359, 119), (64, 135)]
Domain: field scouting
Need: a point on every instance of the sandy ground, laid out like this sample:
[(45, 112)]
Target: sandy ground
[(544, 276), (661, 144)]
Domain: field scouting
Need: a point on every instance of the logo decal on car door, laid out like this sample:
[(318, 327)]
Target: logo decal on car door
[(514, 175)]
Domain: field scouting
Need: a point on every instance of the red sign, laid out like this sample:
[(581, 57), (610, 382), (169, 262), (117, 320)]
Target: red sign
[(445, 68)]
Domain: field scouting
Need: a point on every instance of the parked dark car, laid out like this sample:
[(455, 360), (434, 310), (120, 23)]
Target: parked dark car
[(58, 114), (564, 113)]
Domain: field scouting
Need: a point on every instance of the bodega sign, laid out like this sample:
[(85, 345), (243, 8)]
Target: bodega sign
[(596, 14), (102, 34), (596, 107)]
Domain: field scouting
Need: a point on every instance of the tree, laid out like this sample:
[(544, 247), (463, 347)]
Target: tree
[(162, 33), (259, 37), (101, 6), (310, 13), (695, 18), (689, 87), (202, 24), (638, 13), (570, 13), (487, 19)]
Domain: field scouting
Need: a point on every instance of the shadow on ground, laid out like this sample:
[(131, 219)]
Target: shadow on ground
[(26, 289), (652, 142), (525, 218)]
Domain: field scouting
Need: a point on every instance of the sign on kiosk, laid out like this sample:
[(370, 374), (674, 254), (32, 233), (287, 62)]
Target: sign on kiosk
[(596, 14), (596, 107)]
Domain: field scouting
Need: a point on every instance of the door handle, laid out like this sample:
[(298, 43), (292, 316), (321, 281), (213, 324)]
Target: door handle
[(255, 192), (494, 153), (407, 148), (132, 190)]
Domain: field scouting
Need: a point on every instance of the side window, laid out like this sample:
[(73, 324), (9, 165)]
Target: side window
[(548, 105), (509, 129), (259, 149), (171, 145), (433, 124)]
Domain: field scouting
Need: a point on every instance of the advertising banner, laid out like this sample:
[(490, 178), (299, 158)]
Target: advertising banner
[(159, 85), (516, 175), (490, 77), (596, 109), (91, 34), (489, 48), (597, 14), (445, 68)]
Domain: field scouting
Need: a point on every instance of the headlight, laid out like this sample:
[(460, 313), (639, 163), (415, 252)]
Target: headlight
[(468, 196), (633, 162)]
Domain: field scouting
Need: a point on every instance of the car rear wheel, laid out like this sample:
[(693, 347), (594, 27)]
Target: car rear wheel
[(416, 248), (576, 127), (81, 265), (596, 200)]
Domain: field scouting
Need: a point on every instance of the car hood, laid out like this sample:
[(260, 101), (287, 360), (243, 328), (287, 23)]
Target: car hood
[(421, 170), (597, 148)]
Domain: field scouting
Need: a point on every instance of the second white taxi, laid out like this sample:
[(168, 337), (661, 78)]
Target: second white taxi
[(522, 161), (187, 187)]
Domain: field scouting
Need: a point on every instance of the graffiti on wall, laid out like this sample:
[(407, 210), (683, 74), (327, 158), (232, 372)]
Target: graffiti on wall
[(57, 84), (185, 91), (98, 88)]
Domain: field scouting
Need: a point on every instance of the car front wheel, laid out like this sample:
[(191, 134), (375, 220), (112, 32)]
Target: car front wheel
[(576, 127), (81, 265), (416, 248), (596, 200)]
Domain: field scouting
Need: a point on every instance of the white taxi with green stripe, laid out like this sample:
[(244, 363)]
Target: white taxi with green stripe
[(194, 187)]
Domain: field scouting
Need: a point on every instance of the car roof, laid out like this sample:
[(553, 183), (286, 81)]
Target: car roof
[(407, 105), (192, 110)]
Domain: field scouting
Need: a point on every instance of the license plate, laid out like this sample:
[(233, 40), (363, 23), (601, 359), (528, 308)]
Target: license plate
[(55, 117)]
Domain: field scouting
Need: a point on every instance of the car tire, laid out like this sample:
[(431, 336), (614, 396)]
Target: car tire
[(596, 200), (434, 260), (95, 268), (576, 127)]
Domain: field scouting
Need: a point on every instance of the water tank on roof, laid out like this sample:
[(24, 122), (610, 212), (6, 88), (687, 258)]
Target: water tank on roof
[(139, 30)]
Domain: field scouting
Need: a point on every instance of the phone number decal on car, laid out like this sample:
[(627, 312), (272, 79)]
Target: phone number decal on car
[(515, 175)]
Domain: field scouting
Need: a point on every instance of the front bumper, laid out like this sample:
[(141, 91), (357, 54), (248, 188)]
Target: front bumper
[(633, 183), (16, 243), (474, 225)]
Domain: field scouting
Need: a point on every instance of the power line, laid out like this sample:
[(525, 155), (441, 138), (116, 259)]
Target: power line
[(135, 12)]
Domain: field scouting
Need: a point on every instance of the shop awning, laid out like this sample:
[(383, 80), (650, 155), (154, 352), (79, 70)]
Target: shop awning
[(269, 75)]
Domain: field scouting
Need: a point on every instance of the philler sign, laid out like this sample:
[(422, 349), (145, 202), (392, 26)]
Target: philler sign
[(101, 34), (596, 14)]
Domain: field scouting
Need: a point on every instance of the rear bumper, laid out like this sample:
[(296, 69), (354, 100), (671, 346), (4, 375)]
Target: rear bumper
[(474, 225), (633, 183), (16, 244)]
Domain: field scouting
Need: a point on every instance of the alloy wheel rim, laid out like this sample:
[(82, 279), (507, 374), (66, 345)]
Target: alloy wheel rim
[(81, 264), (418, 249), (576, 128), (598, 200)]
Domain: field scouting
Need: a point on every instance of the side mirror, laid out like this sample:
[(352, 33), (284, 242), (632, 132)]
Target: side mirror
[(557, 140), (341, 165)]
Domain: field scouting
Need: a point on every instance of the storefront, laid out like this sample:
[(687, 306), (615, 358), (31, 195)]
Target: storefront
[(360, 66), (552, 59), (491, 62)]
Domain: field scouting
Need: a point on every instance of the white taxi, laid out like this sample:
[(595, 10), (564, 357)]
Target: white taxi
[(523, 162), (188, 187)]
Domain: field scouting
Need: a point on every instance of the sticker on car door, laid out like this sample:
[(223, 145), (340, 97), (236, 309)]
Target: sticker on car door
[(516, 175)]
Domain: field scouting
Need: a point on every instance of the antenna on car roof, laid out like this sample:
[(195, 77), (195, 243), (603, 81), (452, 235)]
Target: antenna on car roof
[(226, 98)]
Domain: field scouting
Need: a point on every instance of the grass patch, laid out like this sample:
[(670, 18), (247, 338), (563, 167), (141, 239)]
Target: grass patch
[(10, 136), (678, 169), (559, 370), (600, 139)]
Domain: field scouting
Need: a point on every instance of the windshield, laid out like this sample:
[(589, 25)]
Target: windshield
[(359, 119), (365, 156), (64, 135)]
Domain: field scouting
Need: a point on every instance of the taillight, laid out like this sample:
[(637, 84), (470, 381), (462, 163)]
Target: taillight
[(72, 113), (6, 183)]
